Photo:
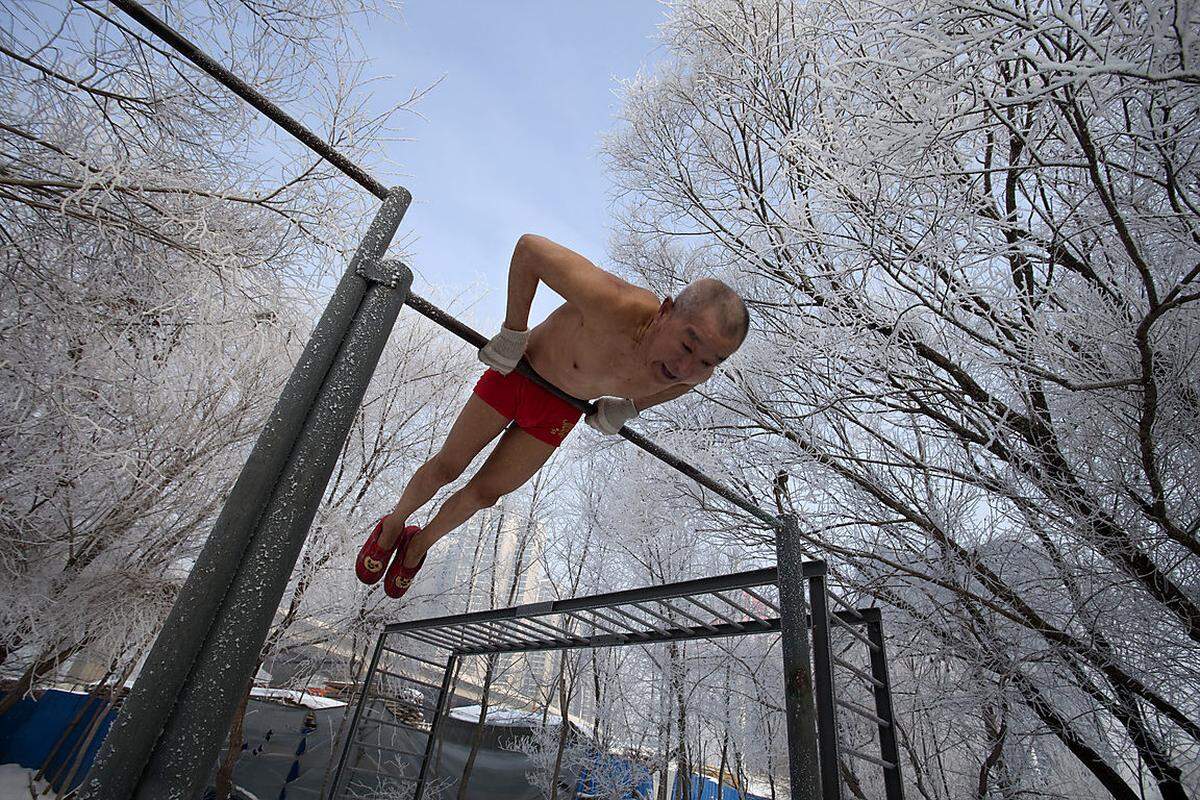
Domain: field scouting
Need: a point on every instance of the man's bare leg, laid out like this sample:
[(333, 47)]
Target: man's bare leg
[(514, 460), (477, 424)]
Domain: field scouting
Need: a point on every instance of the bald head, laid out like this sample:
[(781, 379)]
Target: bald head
[(712, 296)]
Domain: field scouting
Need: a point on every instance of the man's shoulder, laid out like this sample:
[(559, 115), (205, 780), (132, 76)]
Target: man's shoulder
[(632, 305)]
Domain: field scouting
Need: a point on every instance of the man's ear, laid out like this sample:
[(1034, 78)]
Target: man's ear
[(665, 309)]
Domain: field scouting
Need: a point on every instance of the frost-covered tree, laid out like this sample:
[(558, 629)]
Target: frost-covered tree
[(160, 258), (969, 238)]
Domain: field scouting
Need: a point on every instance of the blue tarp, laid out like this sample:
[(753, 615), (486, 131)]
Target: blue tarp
[(607, 772), (29, 731), (32, 727), (285, 755), (705, 788)]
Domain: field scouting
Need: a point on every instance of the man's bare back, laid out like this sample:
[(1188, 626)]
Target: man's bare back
[(610, 340)]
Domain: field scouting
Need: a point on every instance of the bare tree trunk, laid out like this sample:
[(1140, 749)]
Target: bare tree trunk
[(563, 728), (34, 673), (681, 750), (997, 733), (82, 748), (223, 782), (721, 764), (93, 696), (1108, 777), (664, 747), (477, 736), (597, 690)]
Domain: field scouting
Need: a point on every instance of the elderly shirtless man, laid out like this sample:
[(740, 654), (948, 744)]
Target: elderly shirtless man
[(610, 340)]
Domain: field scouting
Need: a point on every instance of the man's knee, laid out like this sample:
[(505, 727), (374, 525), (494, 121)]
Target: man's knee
[(444, 469), (482, 494)]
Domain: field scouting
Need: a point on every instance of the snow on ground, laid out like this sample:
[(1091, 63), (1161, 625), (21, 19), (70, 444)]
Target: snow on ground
[(16, 783), (502, 716), (294, 696)]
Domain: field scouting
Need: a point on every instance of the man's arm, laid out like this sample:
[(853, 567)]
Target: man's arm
[(613, 412), (670, 393), (577, 280)]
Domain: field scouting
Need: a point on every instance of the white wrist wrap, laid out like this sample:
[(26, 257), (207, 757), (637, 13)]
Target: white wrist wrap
[(611, 414), (504, 350)]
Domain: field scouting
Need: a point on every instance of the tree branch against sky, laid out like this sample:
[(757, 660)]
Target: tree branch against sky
[(969, 238), (158, 274)]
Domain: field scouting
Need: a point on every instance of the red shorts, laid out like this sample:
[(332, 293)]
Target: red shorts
[(535, 410)]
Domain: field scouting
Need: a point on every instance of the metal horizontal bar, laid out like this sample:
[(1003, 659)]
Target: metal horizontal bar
[(579, 616), (862, 712), (439, 665), (407, 679), (854, 612), (527, 630), (692, 617), (636, 631), (670, 635), (644, 623), (393, 723), (711, 610), (671, 624), (739, 607), (252, 96), (836, 619), (741, 580), (467, 633), (864, 675), (868, 757), (560, 634), (428, 637), (768, 603)]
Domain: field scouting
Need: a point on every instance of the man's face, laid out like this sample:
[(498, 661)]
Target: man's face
[(686, 348)]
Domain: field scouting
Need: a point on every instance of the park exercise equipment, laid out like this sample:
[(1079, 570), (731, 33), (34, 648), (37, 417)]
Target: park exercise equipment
[(175, 720), (384, 751)]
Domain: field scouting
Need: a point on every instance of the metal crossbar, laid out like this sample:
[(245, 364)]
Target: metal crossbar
[(849, 628), (868, 757), (402, 654), (407, 678), (856, 671), (864, 713)]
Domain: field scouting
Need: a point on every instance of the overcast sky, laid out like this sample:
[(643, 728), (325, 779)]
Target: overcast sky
[(509, 139)]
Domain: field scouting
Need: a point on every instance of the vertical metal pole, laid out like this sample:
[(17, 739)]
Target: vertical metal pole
[(175, 720), (827, 731), (893, 788), (439, 711), (797, 676), (437, 756), (352, 730)]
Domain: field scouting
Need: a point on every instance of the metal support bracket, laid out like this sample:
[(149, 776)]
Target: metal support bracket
[(387, 271)]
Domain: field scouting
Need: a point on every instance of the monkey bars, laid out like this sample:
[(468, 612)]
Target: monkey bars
[(389, 752)]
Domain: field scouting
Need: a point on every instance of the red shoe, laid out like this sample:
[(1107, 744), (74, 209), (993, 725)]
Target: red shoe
[(372, 558), (400, 577)]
